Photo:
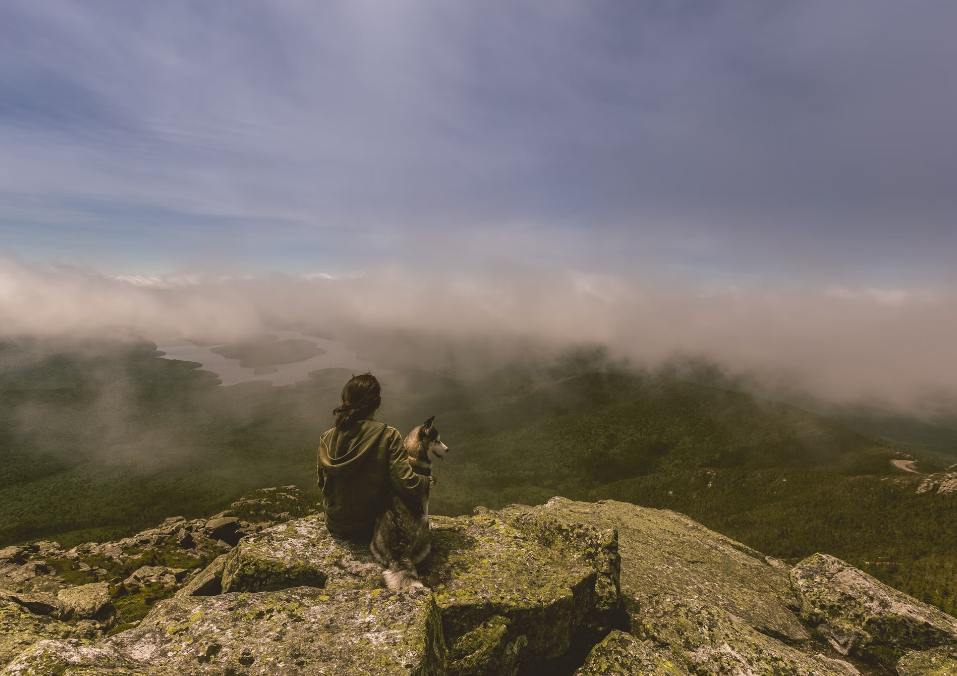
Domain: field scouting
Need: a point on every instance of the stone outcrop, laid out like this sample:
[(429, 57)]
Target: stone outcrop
[(290, 632), (208, 582), (516, 591), (86, 602), (944, 482), (620, 654), (509, 592), (860, 615), (133, 573)]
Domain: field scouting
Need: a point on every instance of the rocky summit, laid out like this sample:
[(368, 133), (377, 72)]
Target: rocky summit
[(589, 589)]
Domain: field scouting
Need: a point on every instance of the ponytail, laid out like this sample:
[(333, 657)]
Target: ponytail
[(360, 397)]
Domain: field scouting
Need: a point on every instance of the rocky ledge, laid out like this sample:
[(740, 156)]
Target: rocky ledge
[(602, 588)]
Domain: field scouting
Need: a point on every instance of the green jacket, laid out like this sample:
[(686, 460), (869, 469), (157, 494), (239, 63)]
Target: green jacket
[(359, 469)]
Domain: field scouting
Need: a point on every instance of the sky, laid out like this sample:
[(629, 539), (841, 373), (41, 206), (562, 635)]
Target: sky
[(751, 141), (773, 182)]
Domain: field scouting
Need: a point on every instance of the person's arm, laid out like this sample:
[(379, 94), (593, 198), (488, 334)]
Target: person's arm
[(404, 479), (320, 481)]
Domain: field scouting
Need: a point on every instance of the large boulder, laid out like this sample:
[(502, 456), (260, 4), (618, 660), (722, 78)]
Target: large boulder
[(713, 641), (719, 605), (88, 601), (621, 654), (511, 588), (666, 555), (513, 593), (299, 553), (225, 528), (860, 615), (294, 631)]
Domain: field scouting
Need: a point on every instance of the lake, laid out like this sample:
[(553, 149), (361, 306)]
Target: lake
[(337, 355)]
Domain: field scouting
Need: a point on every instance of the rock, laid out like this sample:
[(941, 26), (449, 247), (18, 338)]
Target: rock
[(712, 641), (621, 654), (860, 615), (939, 483), (223, 528), (512, 589), (13, 554), (666, 555), (508, 599), (19, 575), (597, 546), (208, 582), (937, 662), (40, 604), (295, 631), (299, 553), (88, 601), (184, 539), (19, 629), (155, 575), (839, 665)]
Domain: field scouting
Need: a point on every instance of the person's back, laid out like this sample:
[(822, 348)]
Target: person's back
[(361, 462)]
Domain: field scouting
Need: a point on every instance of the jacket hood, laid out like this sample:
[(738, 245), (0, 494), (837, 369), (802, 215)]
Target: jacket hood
[(342, 453)]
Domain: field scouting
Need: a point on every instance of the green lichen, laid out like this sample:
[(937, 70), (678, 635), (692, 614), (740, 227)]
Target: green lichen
[(621, 653), (937, 662)]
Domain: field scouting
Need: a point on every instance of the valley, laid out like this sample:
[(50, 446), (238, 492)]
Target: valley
[(100, 441)]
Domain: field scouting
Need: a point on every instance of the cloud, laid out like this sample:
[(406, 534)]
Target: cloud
[(723, 138), (845, 344)]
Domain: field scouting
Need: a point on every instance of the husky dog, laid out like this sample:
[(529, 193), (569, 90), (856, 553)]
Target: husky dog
[(401, 539)]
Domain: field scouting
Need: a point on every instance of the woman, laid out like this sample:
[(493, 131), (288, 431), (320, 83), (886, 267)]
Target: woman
[(362, 462)]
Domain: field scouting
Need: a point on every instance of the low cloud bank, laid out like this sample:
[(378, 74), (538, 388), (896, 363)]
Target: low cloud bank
[(841, 343)]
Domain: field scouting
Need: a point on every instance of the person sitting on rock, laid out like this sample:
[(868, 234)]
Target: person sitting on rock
[(362, 462)]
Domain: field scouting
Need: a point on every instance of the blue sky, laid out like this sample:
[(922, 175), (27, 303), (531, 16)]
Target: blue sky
[(753, 142)]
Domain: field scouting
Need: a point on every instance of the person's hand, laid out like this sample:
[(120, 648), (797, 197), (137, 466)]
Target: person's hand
[(431, 480)]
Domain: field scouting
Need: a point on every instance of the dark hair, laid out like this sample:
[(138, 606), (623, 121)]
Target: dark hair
[(360, 397)]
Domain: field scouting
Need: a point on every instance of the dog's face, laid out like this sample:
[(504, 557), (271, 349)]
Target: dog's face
[(429, 437)]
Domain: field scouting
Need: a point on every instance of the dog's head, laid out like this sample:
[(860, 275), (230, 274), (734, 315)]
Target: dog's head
[(430, 440)]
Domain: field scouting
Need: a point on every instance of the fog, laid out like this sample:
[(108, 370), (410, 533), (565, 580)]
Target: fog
[(844, 344)]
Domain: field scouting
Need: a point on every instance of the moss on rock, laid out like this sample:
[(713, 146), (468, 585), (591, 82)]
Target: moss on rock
[(712, 641), (621, 654), (299, 553), (87, 601), (483, 566), (937, 662), (294, 631), (667, 555), (19, 629), (862, 616)]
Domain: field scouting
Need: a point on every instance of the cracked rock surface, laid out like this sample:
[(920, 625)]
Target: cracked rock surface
[(859, 615), (294, 631)]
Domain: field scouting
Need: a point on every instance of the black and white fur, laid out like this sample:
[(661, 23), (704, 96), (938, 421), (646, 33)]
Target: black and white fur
[(401, 539)]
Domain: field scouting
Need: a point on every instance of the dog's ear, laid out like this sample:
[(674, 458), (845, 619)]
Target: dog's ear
[(428, 423)]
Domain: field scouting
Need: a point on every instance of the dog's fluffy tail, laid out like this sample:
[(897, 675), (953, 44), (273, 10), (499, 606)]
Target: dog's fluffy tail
[(401, 574)]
